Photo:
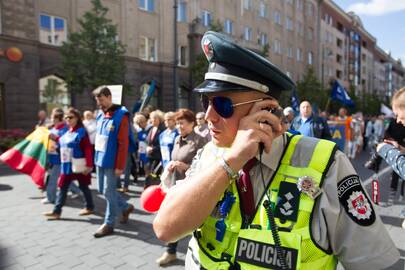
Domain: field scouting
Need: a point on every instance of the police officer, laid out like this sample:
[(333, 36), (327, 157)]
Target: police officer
[(300, 205)]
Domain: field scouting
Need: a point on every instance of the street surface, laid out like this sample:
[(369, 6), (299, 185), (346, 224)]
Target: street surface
[(28, 241)]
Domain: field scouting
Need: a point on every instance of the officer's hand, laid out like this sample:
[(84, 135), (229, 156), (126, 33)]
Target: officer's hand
[(259, 125), (118, 172)]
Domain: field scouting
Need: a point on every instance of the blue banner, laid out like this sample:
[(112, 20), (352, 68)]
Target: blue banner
[(337, 130), (295, 103), (339, 93)]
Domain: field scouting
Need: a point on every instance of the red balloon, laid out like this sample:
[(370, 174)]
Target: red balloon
[(152, 198)]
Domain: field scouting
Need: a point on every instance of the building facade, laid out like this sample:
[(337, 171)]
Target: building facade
[(293, 34)]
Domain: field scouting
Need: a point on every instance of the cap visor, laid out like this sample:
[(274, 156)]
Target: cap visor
[(212, 86)]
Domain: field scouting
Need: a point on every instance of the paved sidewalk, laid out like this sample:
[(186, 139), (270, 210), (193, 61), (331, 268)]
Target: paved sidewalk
[(28, 241)]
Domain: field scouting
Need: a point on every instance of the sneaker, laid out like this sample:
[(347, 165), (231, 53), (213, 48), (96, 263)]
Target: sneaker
[(166, 258), (126, 213), (52, 216), (46, 201), (403, 224), (86, 212), (74, 196)]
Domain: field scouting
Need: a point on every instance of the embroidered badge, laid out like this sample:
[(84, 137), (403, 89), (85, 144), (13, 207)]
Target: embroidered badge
[(207, 48), (264, 255), (287, 202), (308, 186), (353, 198)]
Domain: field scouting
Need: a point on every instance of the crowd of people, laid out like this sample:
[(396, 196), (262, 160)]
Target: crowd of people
[(244, 173)]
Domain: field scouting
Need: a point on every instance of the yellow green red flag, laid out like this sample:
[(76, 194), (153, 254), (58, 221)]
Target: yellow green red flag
[(29, 155)]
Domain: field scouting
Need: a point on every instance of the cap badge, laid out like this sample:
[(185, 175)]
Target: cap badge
[(308, 186), (208, 49)]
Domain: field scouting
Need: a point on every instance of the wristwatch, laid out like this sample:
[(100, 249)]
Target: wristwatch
[(232, 175)]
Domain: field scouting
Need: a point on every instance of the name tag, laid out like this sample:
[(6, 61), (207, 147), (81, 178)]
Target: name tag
[(101, 143), (142, 147), (66, 154), (165, 153), (264, 254)]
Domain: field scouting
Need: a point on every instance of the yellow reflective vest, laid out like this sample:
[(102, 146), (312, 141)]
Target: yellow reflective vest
[(250, 245)]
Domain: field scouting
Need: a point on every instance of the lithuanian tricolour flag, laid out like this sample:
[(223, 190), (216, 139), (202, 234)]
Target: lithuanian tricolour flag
[(29, 155)]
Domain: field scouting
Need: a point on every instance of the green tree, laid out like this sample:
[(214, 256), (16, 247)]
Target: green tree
[(51, 90), (93, 56), (310, 88)]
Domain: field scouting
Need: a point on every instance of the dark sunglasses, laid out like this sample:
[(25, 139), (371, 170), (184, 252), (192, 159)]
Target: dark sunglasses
[(69, 117), (223, 105)]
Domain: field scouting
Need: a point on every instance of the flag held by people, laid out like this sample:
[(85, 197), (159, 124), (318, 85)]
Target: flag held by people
[(295, 103), (29, 155), (339, 93)]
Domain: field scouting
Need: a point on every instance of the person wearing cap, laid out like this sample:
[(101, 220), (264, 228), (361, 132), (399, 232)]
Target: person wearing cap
[(113, 140), (257, 197), (309, 124)]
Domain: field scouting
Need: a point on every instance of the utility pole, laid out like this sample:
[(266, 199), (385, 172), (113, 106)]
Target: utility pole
[(175, 53)]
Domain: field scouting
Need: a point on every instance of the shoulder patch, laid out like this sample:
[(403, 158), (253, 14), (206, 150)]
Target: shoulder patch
[(355, 201)]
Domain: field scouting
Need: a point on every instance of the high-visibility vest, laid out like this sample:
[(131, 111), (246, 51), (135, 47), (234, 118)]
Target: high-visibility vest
[(251, 246)]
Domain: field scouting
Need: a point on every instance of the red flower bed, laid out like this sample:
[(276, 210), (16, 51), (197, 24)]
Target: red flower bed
[(10, 137)]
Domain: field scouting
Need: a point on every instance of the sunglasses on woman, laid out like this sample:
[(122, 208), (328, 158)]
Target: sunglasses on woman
[(223, 105), (69, 117)]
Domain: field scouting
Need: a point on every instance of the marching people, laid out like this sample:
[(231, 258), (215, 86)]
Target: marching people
[(185, 148), (76, 156), (346, 121), (113, 140), (152, 140), (90, 124), (309, 124), (142, 130), (167, 137), (257, 197), (43, 120), (202, 128), (58, 128)]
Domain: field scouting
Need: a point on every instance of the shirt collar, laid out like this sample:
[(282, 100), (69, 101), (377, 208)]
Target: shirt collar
[(272, 159)]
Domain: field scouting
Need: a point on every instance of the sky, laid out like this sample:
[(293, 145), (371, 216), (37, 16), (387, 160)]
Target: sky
[(383, 19)]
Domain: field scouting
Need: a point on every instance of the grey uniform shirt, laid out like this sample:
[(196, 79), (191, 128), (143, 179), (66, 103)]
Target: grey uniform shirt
[(334, 227)]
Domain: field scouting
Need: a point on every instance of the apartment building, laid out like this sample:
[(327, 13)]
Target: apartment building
[(354, 56), (293, 34)]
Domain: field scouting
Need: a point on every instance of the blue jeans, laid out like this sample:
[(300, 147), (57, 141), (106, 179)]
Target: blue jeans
[(107, 185), (127, 173), (51, 186), (61, 198)]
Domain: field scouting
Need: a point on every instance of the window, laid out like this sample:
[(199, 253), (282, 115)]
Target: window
[(247, 34), (182, 12), (263, 40), (147, 5), (262, 9), (228, 26), (247, 4), (300, 5), (289, 2), (52, 30), (338, 58), (147, 49), (310, 60), (206, 18), (310, 33), (277, 46), (299, 54), (277, 17), (289, 23), (290, 52), (339, 42), (328, 19), (182, 56), (183, 97), (310, 9), (300, 29)]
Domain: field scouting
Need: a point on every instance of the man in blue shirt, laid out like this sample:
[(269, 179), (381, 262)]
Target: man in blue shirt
[(309, 124)]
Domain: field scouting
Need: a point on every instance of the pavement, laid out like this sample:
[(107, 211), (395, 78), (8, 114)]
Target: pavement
[(29, 241)]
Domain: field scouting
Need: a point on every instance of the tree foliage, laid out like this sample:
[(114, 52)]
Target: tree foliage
[(310, 89), (93, 56), (52, 90)]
